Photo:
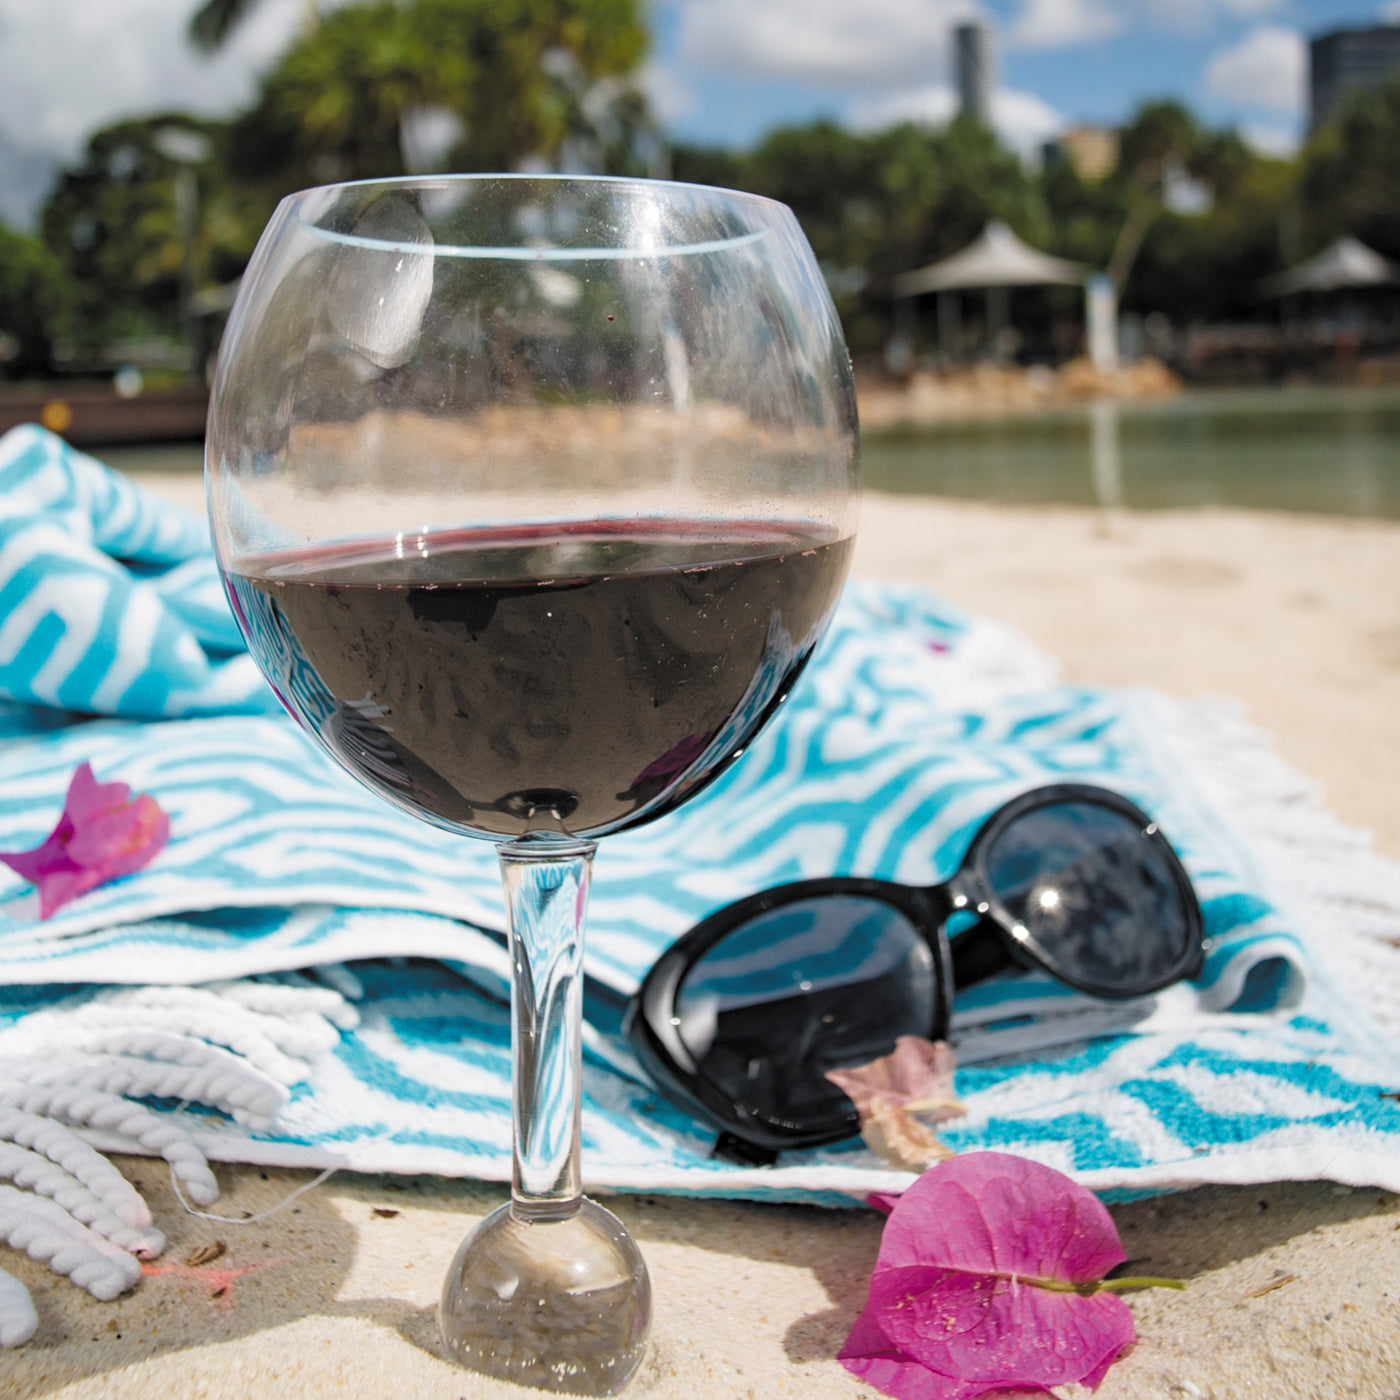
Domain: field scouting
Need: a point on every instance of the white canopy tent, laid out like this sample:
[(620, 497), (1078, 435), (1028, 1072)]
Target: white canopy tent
[(1347, 263), (993, 262), (996, 258)]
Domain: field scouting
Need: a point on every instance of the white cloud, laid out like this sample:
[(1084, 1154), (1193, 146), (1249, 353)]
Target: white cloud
[(71, 67), (1052, 24), (1022, 120), (1272, 140), (1200, 16), (68, 67), (1391, 13), (870, 42), (1268, 68), (853, 42), (668, 94), (1064, 23), (931, 105)]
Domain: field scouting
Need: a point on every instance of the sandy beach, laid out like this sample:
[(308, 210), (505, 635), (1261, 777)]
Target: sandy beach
[(1294, 1288)]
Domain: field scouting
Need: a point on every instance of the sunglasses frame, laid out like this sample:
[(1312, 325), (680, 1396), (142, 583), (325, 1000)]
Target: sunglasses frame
[(970, 890), (995, 942), (653, 1029)]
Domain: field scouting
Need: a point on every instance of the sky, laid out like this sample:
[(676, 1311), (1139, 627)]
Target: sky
[(722, 72)]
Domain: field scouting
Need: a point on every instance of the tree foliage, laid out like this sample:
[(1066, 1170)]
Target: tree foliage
[(29, 290), (1351, 174), (517, 76), (875, 205), (522, 78), (214, 23), (112, 224), (1187, 264), (521, 84)]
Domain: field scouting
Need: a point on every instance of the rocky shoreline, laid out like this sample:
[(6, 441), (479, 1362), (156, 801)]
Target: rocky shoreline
[(926, 397)]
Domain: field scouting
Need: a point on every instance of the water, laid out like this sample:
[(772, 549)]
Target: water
[(179, 458), (1331, 451)]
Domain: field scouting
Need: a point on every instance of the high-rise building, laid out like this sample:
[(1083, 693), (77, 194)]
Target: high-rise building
[(972, 48), (1346, 59)]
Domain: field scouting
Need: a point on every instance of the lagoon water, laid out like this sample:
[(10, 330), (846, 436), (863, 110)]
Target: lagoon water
[(1329, 451)]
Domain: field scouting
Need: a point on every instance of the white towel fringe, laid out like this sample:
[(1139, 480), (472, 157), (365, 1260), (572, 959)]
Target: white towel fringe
[(45, 1231), (135, 1126), (60, 1145), (32, 1171), (1307, 861), (18, 1320), (238, 1047)]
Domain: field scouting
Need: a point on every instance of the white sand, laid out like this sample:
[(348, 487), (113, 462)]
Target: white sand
[(1300, 618), (1296, 616)]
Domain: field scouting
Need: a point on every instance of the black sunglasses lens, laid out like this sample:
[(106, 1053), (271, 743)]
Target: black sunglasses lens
[(1096, 893), (818, 984)]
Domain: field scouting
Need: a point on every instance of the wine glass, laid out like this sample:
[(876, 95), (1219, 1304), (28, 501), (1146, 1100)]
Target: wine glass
[(532, 496)]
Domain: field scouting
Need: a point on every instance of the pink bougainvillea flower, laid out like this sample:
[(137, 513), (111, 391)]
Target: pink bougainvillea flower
[(990, 1277), (883, 1201), (103, 833)]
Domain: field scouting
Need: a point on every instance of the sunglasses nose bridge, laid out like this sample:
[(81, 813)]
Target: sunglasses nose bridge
[(960, 896), (934, 906)]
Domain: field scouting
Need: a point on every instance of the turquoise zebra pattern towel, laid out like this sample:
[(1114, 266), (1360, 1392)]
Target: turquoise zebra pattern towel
[(911, 725)]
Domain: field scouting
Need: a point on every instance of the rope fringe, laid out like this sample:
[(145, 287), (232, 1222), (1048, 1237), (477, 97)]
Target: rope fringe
[(237, 1047)]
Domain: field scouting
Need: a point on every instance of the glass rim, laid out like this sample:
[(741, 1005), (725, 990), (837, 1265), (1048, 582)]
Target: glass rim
[(526, 252)]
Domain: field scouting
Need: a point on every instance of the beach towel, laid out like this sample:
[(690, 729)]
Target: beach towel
[(306, 976)]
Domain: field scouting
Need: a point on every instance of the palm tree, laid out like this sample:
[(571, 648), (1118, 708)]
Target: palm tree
[(215, 20), (1162, 138)]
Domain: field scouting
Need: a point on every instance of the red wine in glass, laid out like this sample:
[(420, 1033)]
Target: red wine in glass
[(578, 678)]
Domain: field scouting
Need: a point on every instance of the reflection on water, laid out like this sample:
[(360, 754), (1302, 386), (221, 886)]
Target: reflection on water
[(1106, 452), (1330, 451), (185, 457)]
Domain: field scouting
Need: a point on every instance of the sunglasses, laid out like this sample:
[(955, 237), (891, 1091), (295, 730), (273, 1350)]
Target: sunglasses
[(740, 1020)]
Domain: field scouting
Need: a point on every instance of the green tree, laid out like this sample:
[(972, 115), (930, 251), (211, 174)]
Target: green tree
[(28, 299), (879, 204), (519, 76), (875, 205), (1161, 141), (1206, 266), (1351, 175), (212, 25), (113, 226), (1188, 265)]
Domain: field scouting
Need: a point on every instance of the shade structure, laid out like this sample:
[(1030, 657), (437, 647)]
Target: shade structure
[(1346, 263), (996, 258)]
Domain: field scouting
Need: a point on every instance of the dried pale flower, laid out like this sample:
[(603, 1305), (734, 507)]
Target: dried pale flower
[(896, 1136), (898, 1095), (104, 833)]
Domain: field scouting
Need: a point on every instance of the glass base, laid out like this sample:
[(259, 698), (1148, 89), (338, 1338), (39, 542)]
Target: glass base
[(555, 1302)]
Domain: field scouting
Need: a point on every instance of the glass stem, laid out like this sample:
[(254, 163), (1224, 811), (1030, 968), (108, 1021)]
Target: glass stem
[(546, 886)]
